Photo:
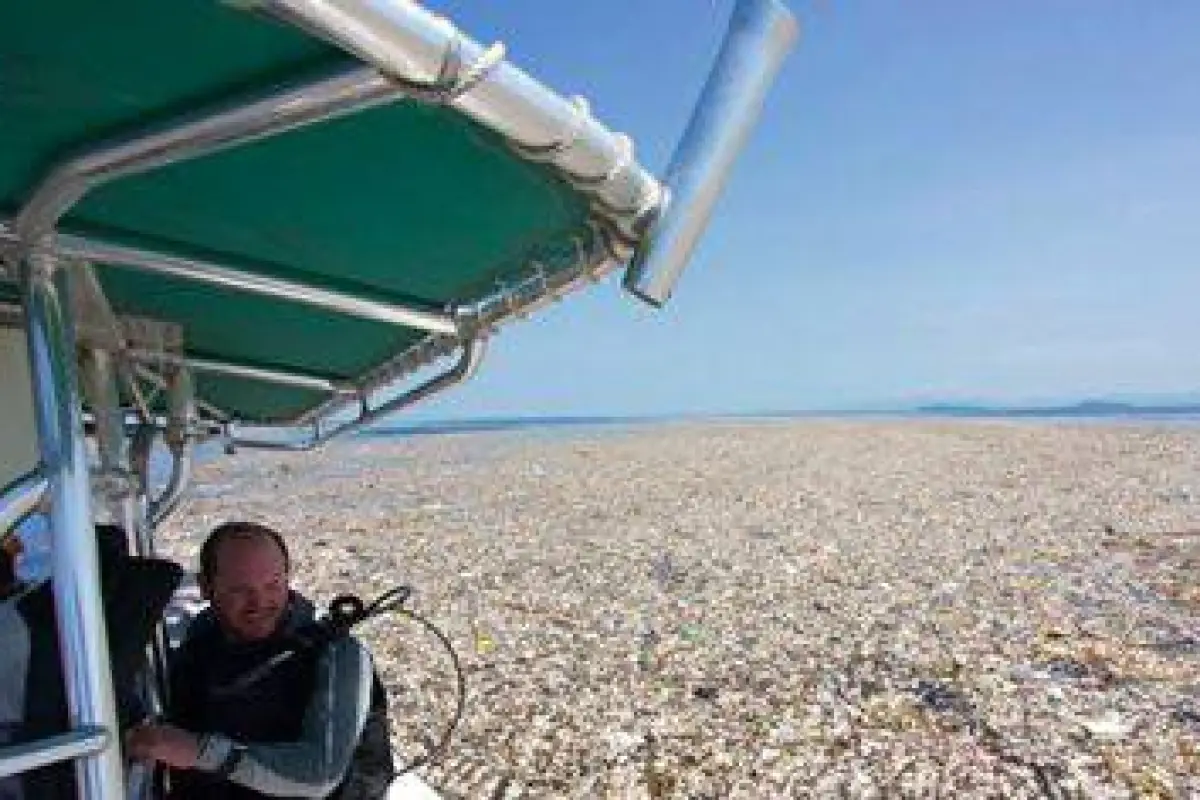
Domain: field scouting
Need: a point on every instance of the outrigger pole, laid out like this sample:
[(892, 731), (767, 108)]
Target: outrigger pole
[(760, 34)]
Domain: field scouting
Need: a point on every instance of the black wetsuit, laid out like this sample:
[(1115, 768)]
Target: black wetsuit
[(291, 731)]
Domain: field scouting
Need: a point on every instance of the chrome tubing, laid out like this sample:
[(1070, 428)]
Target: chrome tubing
[(103, 330), (479, 319), (262, 374), (483, 319), (344, 92), (760, 34), (463, 369), (83, 637), (468, 362), (99, 375), (178, 438), (151, 376), (300, 445), (21, 498), (27, 756), (429, 57), (224, 277), (141, 448), (413, 53)]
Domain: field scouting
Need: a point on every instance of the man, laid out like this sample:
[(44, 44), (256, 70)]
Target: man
[(253, 713)]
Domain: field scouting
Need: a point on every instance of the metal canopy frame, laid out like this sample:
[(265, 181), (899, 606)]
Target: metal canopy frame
[(417, 55), (409, 54), (84, 249), (443, 66), (78, 608)]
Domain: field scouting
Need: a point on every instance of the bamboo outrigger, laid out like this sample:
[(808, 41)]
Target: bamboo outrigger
[(267, 230)]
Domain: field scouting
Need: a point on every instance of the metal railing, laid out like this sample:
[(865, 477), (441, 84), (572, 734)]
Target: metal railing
[(18, 758), (78, 608)]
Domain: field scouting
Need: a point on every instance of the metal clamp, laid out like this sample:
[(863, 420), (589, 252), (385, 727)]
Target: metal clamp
[(453, 81)]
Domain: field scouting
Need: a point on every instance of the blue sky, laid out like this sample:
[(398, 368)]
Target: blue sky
[(944, 199)]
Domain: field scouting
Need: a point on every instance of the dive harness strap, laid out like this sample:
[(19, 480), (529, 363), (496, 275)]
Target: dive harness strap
[(345, 611)]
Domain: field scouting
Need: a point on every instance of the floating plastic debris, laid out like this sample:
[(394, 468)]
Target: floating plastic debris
[(938, 696), (600, 602), (648, 640), (484, 643), (1108, 727), (663, 571)]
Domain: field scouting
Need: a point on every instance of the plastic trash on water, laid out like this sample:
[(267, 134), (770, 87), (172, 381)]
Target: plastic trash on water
[(485, 643)]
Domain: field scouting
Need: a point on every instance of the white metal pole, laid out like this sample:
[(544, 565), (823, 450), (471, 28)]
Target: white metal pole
[(760, 34), (76, 575)]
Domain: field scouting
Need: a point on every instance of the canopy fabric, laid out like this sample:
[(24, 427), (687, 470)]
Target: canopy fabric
[(406, 203)]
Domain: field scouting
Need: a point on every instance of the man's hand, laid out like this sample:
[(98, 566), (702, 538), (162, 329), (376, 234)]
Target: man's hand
[(172, 746)]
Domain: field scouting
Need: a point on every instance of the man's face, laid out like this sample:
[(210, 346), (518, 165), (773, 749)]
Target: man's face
[(249, 587)]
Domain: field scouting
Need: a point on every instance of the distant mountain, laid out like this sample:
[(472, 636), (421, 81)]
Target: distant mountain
[(1085, 408), (1153, 399)]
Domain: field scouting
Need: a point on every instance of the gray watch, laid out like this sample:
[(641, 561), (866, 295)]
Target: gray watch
[(236, 753)]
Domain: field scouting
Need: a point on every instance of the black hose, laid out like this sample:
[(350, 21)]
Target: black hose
[(442, 744)]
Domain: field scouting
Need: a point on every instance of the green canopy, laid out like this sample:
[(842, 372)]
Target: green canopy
[(406, 203)]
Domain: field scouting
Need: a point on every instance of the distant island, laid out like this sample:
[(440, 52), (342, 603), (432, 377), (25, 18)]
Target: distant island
[(1086, 408)]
